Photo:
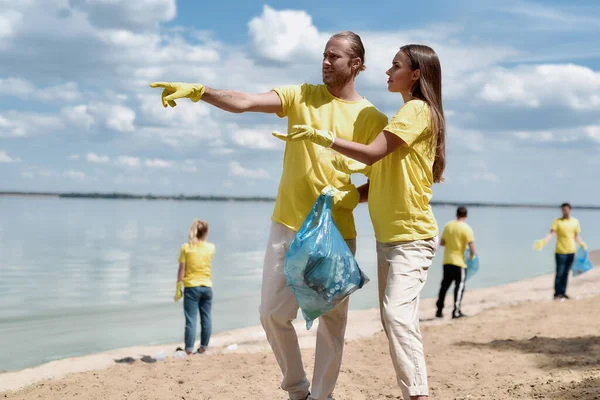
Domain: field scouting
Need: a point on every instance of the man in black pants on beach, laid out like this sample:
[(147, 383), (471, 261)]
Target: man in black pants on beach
[(456, 237)]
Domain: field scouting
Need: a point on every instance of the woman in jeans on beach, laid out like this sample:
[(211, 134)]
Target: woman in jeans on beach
[(195, 276), (402, 163)]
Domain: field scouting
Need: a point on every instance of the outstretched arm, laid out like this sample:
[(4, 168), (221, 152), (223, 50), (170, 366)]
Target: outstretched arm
[(384, 144), (549, 236), (239, 102), (228, 100)]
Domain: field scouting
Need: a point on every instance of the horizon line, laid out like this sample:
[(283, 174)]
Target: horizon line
[(182, 197)]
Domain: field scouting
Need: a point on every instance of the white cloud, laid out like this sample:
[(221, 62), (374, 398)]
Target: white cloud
[(127, 161), (158, 163), (464, 139), (16, 87), (79, 116), (140, 14), (35, 171), (75, 175), (8, 20), (258, 137), (547, 17), (121, 119), (222, 151), (24, 124), (593, 132), (186, 124), (485, 177), (560, 137), (284, 35), (23, 89), (534, 86), (115, 117), (236, 169), (5, 158), (74, 157), (189, 166), (96, 159), (121, 179)]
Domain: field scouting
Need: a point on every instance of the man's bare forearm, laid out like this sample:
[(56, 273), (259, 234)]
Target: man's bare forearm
[(228, 100)]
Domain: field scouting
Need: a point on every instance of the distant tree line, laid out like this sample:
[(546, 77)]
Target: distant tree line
[(127, 196)]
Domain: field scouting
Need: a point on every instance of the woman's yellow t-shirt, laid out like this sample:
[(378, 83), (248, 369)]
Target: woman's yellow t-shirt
[(197, 258), (400, 183)]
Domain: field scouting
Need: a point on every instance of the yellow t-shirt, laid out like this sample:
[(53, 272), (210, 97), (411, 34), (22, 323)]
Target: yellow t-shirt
[(457, 234), (197, 258), (401, 182), (566, 230), (307, 167)]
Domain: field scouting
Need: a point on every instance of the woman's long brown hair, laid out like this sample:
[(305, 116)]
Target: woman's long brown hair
[(429, 89)]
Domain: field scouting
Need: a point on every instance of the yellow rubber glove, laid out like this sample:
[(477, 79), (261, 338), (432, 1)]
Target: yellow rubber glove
[(583, 245), (179, 90), (178, 291), (539, 244), (348, 165), (305, 132), (344, 197)]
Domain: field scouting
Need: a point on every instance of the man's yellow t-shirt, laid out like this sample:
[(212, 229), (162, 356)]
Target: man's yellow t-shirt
[(197, 258), (456, 236), (307, 167), (400, 188), (566, 230)]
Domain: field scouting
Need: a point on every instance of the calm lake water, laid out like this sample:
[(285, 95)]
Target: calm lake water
[(79, 276)]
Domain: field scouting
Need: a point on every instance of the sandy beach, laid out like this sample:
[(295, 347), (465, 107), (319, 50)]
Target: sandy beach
[(517, 344)]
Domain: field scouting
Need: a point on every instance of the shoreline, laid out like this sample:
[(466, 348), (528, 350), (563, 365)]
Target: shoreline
[(259, 199), (361, 324)]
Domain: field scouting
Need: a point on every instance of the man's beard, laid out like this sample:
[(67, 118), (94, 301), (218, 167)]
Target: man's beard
[(337, 79)]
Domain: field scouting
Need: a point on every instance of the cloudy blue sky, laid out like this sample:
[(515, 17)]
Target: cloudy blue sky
[(521, 91)]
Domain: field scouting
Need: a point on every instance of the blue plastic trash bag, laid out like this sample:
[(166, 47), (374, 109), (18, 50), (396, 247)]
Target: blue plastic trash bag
[(319, 266), (472, 265), (582, 262)]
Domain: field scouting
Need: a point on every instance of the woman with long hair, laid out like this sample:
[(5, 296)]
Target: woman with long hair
[(402, 163), (194, 284)]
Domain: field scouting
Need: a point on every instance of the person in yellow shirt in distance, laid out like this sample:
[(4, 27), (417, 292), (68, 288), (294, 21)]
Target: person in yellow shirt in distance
[(194, 284), (336, 106), (456, 237), (567, 231)]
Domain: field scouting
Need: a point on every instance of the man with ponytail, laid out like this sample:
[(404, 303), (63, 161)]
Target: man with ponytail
[(402, 163), (334, 105)]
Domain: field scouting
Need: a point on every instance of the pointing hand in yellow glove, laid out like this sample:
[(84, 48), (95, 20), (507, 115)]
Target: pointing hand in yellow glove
[(179, 90), (178, 291), (539, 244), (344, 197), (348, 165), (305, 132)]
